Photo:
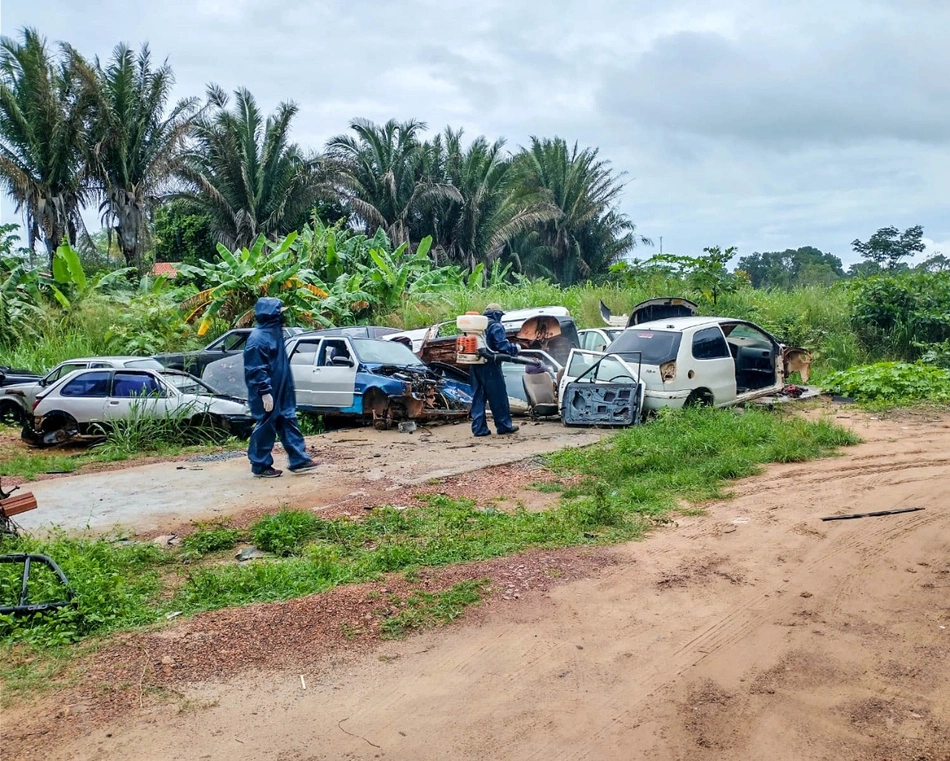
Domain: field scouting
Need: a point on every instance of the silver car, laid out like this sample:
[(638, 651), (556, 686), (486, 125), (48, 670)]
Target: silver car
[(84, 404), (16, 401)]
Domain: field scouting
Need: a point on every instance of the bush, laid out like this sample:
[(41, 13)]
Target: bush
[(211, 538), (898, 316), (286, 532), (892, 383)]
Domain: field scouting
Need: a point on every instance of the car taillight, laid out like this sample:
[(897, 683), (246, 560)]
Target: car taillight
[(668, 371), (35, 402)]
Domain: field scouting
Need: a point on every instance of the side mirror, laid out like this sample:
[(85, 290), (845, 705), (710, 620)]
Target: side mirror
[(43, 382), (341, 362)]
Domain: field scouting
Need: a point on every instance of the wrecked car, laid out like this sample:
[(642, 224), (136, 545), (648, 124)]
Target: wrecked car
[(16, 400), (375, 381), (686, 360), (84, 404), (547, 333), (512, 321), (227, 345)]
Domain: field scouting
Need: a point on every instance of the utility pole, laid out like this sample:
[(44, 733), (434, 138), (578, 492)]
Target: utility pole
[(661, 244)]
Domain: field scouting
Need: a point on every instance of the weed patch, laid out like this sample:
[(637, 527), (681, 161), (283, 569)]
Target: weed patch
[(892, 384), (211, 537), (424, 609), (688, 456)]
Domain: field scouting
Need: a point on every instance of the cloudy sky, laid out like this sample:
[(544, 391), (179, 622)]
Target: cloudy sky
[(753, 123)]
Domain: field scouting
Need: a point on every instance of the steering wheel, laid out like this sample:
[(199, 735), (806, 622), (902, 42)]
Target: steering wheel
[(621, 377)]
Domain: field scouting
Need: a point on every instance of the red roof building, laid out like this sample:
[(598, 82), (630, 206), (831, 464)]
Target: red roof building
[(164, 269)]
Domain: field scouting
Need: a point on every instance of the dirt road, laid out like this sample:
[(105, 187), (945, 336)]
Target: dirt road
[(754, 632), (167, 494)]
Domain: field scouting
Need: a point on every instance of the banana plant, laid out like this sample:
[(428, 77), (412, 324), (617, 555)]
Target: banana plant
[(242, 276), (69, 284), (20, 313)]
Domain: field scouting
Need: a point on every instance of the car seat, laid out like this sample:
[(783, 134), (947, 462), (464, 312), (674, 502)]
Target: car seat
[(541, 392)]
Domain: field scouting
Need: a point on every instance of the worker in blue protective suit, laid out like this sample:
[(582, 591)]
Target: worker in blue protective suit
[(487, 381), (270, 394)]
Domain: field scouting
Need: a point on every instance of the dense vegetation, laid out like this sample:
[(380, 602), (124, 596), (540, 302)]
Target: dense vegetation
[(386, 224)]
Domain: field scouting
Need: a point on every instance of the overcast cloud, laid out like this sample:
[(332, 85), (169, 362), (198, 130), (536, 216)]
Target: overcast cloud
[(754, 123)]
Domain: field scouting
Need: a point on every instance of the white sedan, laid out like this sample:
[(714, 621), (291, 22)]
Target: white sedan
[(84, 404)]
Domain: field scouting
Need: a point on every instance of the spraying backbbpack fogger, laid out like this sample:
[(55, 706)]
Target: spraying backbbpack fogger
[(471, 347)]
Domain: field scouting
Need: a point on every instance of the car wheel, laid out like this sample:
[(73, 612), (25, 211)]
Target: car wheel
[(701, 397), (208, 427), (58, 428), (377, 410), (11, 413)]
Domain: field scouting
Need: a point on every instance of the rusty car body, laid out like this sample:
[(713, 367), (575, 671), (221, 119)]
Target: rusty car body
[(369, 380)]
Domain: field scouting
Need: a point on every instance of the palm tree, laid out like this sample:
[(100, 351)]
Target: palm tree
[(385, 176), (491, 210), (135, 147), (588, 234), (246, 175), (42, 119)]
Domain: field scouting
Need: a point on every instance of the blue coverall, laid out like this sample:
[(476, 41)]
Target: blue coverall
[(267, 371), (488, 382)]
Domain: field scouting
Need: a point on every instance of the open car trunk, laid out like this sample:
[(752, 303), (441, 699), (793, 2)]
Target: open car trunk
[(646, 311)]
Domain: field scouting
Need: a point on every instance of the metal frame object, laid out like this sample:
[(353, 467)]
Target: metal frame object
[(23, 606), (615, 404)]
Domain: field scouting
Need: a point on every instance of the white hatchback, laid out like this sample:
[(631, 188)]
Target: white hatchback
[(85, 403), (716, 361)]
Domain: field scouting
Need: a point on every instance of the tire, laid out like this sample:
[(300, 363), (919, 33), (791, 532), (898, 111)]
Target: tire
[(207, 428), (58, 428), (701, 397), (11, 413)]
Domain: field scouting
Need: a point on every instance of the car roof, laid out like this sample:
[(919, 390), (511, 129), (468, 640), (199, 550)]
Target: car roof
[(105, 359), (682, 323)]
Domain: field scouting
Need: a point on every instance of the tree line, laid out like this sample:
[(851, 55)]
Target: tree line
[(174, 178)]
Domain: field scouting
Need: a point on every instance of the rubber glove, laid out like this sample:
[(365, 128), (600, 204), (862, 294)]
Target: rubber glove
[(268, 401)]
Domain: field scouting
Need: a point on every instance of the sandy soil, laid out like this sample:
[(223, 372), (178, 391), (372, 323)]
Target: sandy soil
[(754, 632), (164, 495)]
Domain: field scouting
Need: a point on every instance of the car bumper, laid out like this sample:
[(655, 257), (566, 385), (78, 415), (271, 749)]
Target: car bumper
[(240, 426), (655, 400)]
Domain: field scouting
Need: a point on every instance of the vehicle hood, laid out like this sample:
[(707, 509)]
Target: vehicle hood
[(217, 405)]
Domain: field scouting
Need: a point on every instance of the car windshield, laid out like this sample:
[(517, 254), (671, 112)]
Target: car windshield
[(651, 347), (384, 353), (188, 384)]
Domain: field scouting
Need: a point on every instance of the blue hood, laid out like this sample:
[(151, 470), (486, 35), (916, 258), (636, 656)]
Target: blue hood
[(267, 310), (494, 316)]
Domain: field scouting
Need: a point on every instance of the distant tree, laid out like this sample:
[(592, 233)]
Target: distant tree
[(182, 232), (706, 274), (43, 112), (587, 234), (791, 268), (386, 178), (889, 245), (474, 228), (135, 147), (10, 243), (936, 263), (243, 171)]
